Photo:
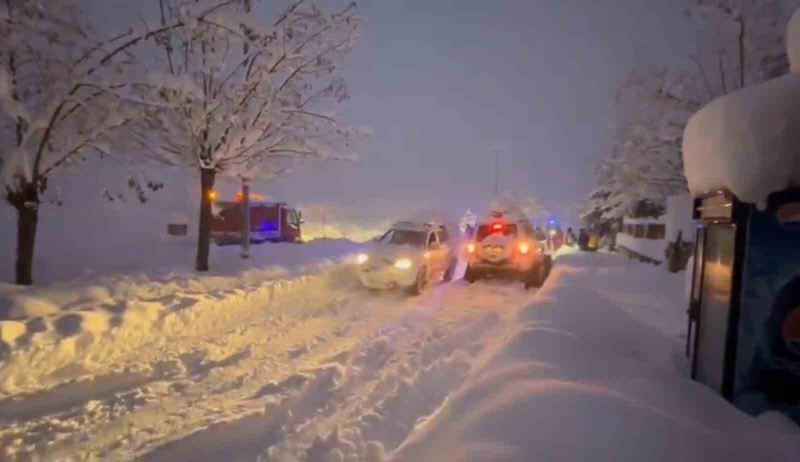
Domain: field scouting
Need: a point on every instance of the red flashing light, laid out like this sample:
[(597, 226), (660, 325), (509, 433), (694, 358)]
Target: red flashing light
[(497, 227)]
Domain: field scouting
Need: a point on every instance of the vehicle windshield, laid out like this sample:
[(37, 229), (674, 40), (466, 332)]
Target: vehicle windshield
[(486, 230), (404, 237)]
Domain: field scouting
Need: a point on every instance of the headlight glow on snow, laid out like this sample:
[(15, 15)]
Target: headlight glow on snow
[(362, 258), (403, 264)]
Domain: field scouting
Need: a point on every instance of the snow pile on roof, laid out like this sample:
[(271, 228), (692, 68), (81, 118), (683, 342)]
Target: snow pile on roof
[(507, 207), (749, 141), (580, 378), (428, 215)]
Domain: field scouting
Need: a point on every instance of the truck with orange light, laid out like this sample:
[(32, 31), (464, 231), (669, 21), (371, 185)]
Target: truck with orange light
[(269, 221), (505, 245)]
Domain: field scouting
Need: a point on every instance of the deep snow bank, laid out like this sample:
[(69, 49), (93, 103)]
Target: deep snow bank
[(581, 378), (83, 328)]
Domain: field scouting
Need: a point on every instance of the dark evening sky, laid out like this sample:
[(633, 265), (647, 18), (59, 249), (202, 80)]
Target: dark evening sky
[(440, 83)]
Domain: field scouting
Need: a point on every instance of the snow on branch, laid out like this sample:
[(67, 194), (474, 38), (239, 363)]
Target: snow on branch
[(235, 95), (60, 88)]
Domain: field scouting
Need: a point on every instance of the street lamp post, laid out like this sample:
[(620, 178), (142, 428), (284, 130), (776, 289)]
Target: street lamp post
[(496, 170), (246, 221)]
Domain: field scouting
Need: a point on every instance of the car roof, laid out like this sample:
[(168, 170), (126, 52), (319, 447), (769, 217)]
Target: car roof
[(493, 217), (420, 226), (504, 210)]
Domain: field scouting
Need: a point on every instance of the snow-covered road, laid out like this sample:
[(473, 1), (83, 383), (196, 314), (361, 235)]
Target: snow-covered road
[(322, 355), (316, 368)]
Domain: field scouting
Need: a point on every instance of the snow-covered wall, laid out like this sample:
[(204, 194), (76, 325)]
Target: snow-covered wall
[(749, 141), (679, 217), (652, 248)]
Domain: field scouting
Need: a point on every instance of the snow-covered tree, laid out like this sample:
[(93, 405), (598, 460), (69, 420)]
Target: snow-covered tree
[(645, 164), (62, 94), (245, 97), (738, 42)]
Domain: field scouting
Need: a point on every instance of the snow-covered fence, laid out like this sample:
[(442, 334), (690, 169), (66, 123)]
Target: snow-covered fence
[(648, 239)]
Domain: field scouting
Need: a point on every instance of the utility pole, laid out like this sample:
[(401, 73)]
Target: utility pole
[(496, 171), (246, 221)]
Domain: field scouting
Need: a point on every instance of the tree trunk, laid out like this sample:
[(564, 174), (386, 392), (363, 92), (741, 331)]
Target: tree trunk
[(26, 202), (204, 232)]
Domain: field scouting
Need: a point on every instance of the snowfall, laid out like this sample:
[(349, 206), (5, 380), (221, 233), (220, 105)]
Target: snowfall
[(285, 357)]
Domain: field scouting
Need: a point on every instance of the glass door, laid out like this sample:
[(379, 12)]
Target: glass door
[(715, 304)]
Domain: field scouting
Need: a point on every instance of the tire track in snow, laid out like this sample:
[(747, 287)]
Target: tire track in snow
[(404, 366), (432, 356), (295, 374)]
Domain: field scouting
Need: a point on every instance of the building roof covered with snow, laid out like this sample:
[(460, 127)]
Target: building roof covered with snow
[(749, 141)]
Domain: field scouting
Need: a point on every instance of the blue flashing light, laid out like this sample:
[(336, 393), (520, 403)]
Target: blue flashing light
[(268, 226)]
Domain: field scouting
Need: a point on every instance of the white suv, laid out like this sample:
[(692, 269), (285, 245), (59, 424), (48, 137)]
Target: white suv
[(409, 256), (505, 244)]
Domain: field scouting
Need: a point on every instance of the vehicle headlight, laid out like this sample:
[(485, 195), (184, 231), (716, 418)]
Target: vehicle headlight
[(362, 258), (470, 248), (403, 264), (524, 248)]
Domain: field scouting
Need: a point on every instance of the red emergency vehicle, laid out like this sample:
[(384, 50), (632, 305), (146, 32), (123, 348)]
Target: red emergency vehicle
[(269, 221)]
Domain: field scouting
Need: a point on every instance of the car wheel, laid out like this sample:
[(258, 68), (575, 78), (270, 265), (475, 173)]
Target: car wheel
[(536, 276), (451, 269), (471, 275), (420, 282)]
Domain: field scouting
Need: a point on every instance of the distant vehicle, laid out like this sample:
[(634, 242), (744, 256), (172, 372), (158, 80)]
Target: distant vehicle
[(409, 256), (269, 221), (506, 244)]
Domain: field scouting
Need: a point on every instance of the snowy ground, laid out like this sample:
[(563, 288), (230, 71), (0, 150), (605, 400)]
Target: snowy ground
[(314, 368)]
